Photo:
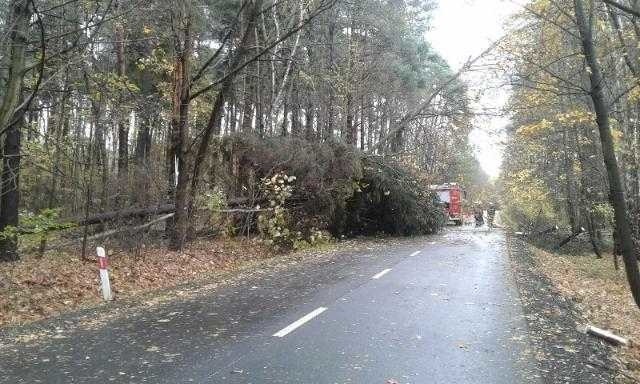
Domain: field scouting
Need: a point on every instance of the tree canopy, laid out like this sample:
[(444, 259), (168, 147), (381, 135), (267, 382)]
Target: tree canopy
[(112, 105)]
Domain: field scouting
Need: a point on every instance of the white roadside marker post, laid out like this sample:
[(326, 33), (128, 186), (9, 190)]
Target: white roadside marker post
[(105, 286)]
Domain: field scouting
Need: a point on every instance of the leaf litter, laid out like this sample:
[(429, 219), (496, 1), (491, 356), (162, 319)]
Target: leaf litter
[(602, 296), (563, 354)]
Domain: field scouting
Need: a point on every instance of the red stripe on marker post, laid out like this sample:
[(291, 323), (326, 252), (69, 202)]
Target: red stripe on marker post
[(105, 286), (102, 262)]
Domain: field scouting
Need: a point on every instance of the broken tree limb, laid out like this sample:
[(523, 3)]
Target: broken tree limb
[(137, 212), (241, 210), (568, 239), (112, 232), (607, 335), (622, 7), (412, 115), (125, 214), (538, 233), (130, 229), (159, 219), (545, 231), (149, 224)]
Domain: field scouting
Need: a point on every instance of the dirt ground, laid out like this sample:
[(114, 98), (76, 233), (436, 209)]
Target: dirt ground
[(603, 299)]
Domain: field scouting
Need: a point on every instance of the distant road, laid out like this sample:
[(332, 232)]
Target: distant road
[(441, 309)]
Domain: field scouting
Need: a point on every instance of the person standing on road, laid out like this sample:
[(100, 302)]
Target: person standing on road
[(491, 214), (479, 216)]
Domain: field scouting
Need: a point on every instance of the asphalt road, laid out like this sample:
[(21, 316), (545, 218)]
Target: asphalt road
[(440, 309)]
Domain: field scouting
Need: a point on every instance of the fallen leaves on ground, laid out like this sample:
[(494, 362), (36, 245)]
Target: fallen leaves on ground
[(36, 288), (602, 295)]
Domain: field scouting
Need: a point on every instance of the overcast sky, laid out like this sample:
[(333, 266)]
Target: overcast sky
[(463, 29)]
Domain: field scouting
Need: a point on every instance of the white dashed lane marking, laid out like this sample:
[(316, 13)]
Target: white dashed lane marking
[(306, 318), (380, 274), (298, 323)]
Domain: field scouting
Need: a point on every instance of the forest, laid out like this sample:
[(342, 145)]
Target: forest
[(310, 191), (292, 120), (571, 158)]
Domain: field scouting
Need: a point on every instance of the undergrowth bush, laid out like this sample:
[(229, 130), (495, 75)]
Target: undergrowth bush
[(210, 202), (36, 228)]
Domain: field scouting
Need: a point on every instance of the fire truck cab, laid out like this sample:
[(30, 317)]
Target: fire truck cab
[(451, 195)]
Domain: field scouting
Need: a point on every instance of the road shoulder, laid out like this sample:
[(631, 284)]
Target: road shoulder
[(563, 353)]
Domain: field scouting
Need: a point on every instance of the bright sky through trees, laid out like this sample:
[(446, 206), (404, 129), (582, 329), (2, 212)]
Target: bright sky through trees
[(461, 30)]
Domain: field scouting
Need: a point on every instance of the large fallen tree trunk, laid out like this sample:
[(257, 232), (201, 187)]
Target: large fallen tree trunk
[(129, 213), (125, 214), (145, 226), (129, 229)]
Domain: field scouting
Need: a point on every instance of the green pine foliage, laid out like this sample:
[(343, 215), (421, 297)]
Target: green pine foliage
[(393, 201), (336, 188)]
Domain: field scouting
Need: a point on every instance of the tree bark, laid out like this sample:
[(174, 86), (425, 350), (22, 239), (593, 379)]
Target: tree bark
[(184, 208), (10, 123), (143, 139), (616, 191), (572, 210), (177, 153), (308, 123), (123, 118)]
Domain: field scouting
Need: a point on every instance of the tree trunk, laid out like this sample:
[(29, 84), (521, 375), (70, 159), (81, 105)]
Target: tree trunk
[(328, 123), (572, 210), (350, 129), (295, 113), (177, 154), (232, 114), (10, 200), (348, 134), (215, 118), (123, 118), (10, 123), (616, 191), (250, 85), (308, 122), (143, 139), (363, 133), (285, 116)]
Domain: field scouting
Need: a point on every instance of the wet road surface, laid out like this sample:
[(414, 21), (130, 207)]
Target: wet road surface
[(439, 309)]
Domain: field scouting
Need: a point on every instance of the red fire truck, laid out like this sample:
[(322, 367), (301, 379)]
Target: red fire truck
[(451, 195)]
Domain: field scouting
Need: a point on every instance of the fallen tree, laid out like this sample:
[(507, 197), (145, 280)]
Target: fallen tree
[(129, 213), (124, 214)]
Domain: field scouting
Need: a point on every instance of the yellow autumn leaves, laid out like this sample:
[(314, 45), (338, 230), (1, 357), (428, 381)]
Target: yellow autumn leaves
[(564, 119)]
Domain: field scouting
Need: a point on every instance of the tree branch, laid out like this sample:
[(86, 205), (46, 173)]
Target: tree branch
[(621, 7), (321, 9)]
